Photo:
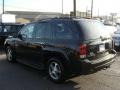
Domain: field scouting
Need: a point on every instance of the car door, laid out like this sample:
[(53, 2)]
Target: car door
[(23, 42), (42, 40), (65, 37)]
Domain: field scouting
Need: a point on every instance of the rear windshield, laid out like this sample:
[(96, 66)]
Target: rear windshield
[(117, 32), (92, 29)]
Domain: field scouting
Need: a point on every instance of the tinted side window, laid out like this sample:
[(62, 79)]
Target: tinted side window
[(63, 30), (43, 30), (28, 30), (15, 28), (10, 28), (72, 29), (7, 29)]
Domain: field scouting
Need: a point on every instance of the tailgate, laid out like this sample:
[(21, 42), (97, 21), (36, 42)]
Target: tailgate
[(98, 49)]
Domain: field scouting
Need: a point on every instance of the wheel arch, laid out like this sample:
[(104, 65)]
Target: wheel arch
[(62, 57)]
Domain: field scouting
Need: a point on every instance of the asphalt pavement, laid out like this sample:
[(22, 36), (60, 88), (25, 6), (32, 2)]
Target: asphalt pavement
[(16, 76)]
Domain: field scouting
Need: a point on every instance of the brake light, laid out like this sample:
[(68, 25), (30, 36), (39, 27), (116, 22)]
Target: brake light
[(83, 51)]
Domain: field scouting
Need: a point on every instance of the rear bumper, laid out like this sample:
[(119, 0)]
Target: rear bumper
[(102, 62), (86, 65)]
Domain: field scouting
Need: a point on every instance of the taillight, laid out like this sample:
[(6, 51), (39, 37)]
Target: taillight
[(83, 51)]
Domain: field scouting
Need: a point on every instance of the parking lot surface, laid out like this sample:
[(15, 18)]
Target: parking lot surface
[(16, 76)]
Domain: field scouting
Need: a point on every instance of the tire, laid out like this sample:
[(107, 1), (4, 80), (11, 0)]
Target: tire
[(56, 71), (10, 54)]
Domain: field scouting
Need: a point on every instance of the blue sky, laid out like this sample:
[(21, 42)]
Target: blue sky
[(104, 6)]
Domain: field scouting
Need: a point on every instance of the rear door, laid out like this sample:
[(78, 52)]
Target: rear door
[(65, 37)]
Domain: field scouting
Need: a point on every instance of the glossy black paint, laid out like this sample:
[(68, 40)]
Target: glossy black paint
[(38, 50)]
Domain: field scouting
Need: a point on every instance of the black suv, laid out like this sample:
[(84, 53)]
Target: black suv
[(7, 29), (61, 46)]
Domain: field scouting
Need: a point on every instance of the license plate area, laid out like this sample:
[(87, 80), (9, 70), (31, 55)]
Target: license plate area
[(101, 48), (117, 44)]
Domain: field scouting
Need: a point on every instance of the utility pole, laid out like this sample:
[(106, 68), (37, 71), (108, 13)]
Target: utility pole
[(2, 13), (98, 12), (86, 11), (3, 6), (74, 7), (92, 9), (62, 6)]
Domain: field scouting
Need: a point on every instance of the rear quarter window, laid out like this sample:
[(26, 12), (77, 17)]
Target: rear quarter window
[(65, 30)]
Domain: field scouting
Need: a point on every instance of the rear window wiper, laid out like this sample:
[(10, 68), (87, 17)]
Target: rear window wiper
[(103, 38)]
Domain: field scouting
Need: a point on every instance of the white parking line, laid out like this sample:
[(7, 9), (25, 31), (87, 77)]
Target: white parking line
[(2, 56)]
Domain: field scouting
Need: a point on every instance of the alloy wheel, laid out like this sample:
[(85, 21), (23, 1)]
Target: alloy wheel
[(9, 54), (54, 70)]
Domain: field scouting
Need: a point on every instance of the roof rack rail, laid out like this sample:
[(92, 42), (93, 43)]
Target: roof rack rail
[(43, 19), (59, 17)]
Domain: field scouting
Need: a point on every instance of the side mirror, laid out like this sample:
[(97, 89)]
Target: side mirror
[(22, 36)]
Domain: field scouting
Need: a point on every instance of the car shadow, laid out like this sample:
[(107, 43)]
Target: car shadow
[(88, 72), (117, 49), (17, 76)]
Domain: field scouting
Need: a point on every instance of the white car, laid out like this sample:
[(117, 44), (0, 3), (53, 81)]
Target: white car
[(111, 29)]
